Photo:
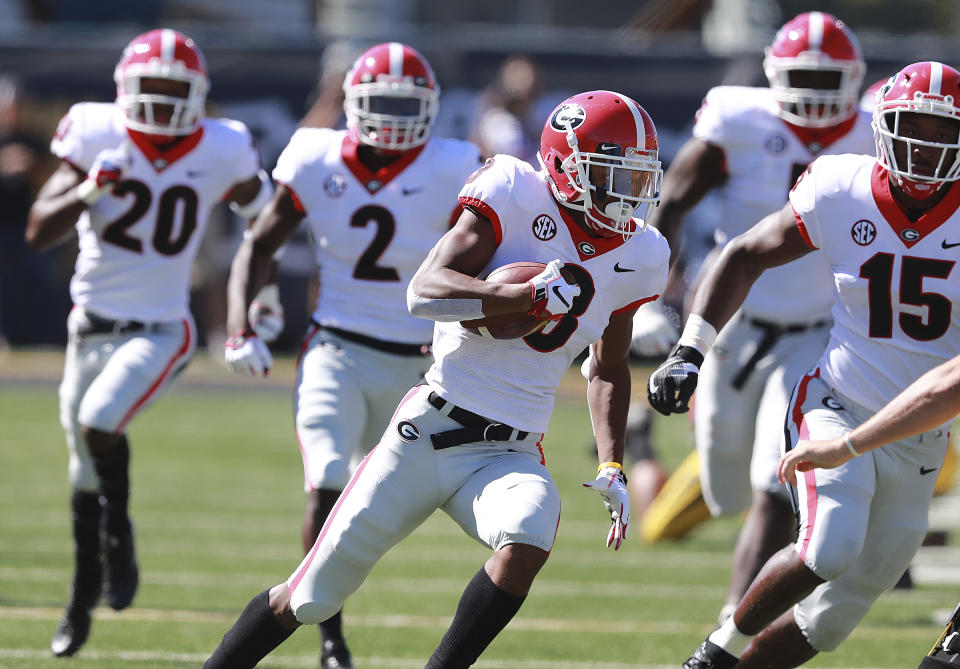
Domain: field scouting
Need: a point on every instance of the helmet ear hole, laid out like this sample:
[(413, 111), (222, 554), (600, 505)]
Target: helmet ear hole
[(557, 164)]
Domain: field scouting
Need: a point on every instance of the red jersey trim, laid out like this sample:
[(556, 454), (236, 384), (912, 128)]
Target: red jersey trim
[(162, 159), (822, 136), (297, 202), (172, 365), (384, 175), (487, 211), (580, 236), (634, 305), (897, 218), (803, 229)]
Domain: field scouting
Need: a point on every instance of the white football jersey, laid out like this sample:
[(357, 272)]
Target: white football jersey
[(514, 380), (138, 243), (373, 230), (893, 279), (764, 156)]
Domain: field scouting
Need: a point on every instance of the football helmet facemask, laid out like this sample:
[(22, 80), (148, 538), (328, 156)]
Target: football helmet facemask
[(168, 55), (927, 88), (599, 154), (391, 97), (815, 69)]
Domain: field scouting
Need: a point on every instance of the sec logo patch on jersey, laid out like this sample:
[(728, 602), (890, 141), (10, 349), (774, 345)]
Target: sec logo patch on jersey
[(544, 228)]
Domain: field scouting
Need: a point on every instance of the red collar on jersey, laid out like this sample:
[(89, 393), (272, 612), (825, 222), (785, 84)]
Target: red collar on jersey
[(594, 246), (897, 217), (161, 159), (818, 139), (374, 181)]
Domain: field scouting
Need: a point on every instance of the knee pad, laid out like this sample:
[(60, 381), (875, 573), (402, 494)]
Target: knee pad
[(834, 557), (725, 480), (831, 612)]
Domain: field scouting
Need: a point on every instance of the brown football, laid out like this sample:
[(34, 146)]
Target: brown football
[(508, 326)]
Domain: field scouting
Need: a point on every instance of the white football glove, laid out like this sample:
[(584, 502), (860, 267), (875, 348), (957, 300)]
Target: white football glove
[(552, 295), (653, 333), (612, 486), (245, 353), (266, 313), (106, 172)]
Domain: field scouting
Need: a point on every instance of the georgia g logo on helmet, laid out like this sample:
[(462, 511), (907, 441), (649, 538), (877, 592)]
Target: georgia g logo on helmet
[(569, 116)]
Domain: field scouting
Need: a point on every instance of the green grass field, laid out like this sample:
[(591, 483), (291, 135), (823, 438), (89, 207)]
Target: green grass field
[(217, 501)]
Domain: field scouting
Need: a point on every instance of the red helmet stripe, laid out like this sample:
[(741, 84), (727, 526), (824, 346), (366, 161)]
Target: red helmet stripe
[(936, 78), (396, 59), (637, 120), (816, 30), (168, 43)]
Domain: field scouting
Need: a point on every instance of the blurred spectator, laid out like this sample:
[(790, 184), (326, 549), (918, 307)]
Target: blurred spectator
[(27, 281), (506, 122)]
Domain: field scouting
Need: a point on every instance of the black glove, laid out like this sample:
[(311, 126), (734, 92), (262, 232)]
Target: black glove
[(672, 384)]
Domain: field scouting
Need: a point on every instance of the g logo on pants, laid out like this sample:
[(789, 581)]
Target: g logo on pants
[(408, 431)]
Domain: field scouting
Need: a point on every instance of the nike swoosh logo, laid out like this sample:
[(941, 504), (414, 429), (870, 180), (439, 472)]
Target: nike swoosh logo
[(556, 291), (195, 173), (946, 245), (924, 470), (411, 191), (617, 268)]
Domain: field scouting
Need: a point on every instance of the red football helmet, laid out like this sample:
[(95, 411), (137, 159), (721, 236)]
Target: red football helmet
[(928, 88), (806, 46), (162, 54), (599, 152), (391, 97)]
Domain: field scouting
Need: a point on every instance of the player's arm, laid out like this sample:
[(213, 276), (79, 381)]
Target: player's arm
[(245, 352), (445, 286), (253, 262), (247, 199), (931, 400), (56, 209), (608, 398), (775, 240)]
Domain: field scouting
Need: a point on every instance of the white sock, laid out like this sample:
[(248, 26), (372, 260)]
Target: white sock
[(728, 637)]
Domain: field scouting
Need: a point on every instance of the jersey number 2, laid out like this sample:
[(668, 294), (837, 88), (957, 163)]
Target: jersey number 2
[(367, 267), (164, 241), (879, 274)]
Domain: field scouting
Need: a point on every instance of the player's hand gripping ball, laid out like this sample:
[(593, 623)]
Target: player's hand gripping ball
[(515, 325)]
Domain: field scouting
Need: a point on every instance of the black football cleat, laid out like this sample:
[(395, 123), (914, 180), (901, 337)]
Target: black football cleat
[(72, 631), (335, 655), (122, 572), (709, 655)]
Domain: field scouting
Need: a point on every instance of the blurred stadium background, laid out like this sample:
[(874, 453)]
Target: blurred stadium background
[(217, 492), (276, 64)]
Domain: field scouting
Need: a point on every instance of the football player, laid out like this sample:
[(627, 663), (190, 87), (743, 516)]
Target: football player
[(468, 440), (886, 226), (929, 402), (376, 196), (751, 144), (138, 180)]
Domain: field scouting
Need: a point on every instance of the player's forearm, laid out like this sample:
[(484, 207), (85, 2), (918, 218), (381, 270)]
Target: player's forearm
[(250, 271), (433, 284), (725, 286), (52, 218), (608, 397), (930, 401)]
